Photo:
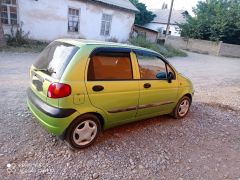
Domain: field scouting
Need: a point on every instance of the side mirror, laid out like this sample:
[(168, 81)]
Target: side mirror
[(161, 76), (170, 77)]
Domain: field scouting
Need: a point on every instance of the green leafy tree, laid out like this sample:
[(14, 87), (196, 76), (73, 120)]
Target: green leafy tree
[(143, 16), (215, 20)]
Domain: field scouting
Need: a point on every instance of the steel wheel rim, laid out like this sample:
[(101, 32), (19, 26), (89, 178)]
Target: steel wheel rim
[(85, 132), (183, 107)]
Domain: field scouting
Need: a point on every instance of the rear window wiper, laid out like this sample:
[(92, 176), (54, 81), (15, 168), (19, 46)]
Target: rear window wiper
[(49, 71)]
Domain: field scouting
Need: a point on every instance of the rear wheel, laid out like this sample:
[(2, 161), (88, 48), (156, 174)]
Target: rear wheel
[(83, 131), (182, 108)]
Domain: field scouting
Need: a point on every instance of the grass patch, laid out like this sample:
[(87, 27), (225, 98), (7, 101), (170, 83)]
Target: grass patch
[(32, 46), (167, 51)]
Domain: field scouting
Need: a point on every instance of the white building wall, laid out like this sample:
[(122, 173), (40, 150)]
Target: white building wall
[(157, 26), (48, 20)]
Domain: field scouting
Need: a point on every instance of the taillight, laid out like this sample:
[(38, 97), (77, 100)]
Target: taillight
[(59, 90)]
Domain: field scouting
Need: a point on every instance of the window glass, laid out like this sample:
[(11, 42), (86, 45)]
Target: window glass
[(110, 66), (106, 25), (9, 12), (150, 66), (4, 14), (6, 2), (13, 15), (54, 59), (73, 20)]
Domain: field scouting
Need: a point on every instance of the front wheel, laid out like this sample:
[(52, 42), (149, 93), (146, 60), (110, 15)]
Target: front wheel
[(83, 131), (182, 108)]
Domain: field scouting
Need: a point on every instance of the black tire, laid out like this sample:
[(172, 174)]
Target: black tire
[(176, 112), (72, 136)]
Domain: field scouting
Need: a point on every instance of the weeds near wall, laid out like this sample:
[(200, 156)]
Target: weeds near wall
[(167, 51), (17, 37), (18, 41)]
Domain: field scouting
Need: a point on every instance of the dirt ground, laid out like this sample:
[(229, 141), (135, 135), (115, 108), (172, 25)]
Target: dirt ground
[(204, 145)]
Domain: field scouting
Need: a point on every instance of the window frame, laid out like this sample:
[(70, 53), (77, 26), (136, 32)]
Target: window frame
[(79, 13), (105, 26), (174, 73), (110, 50), (147, 53), (9, 6)]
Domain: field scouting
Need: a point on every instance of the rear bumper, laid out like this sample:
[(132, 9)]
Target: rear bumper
[(47, 109), (55, 120)]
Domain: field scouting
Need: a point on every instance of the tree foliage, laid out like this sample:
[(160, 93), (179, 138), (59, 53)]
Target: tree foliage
[(143, 16), (215, 20)]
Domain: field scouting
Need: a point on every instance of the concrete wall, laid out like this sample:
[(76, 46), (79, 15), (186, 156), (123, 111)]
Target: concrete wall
[(157, 26), (205, 47), (48, 20), (195, 45), (229, 50), (201, 46), (176, 42)]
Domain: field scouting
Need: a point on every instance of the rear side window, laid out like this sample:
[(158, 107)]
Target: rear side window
[(54, 59), (110, 66)]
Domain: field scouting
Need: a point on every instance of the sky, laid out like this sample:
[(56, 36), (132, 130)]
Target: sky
[(178, 4)]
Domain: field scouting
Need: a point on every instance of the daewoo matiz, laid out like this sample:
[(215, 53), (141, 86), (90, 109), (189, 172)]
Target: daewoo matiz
[(79, 88)]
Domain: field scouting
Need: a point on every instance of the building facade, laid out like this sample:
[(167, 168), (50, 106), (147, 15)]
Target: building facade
[(90, 19), (149, 34), (160, 21)]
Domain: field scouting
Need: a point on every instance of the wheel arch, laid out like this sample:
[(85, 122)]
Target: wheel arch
[(188, 95), (98, 115)]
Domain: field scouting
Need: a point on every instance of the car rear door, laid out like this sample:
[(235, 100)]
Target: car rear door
[(156, 96), (110, 83)]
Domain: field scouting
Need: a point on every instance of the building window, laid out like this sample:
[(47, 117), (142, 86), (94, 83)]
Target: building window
[(169, 32), (106, 25), (73, 20), (9, 12)]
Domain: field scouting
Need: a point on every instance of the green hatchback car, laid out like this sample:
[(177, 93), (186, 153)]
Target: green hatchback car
[(79, 88)]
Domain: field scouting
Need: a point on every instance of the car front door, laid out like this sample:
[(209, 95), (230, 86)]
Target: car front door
[(157, 94), (110, 83)]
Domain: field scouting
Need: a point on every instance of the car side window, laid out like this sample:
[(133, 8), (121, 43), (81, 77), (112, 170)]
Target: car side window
[(150, 66), (105, 66)]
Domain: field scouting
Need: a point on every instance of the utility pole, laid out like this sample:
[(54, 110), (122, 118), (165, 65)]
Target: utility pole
[(169, 18)]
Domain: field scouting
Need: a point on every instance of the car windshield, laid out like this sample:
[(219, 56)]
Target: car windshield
[(54, 59)]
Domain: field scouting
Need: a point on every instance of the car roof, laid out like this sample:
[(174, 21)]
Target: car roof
[(84, 42)]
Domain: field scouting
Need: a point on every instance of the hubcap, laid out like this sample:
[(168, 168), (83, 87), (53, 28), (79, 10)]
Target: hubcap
[(85, 132), (183, 107)]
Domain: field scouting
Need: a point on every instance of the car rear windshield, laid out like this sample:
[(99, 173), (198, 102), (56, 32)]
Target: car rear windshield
[(54, 59)]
